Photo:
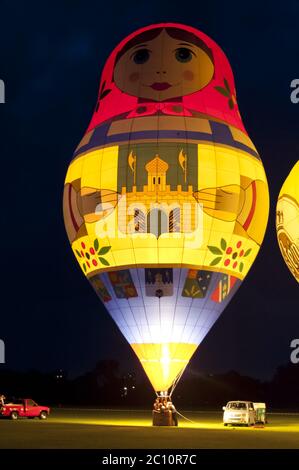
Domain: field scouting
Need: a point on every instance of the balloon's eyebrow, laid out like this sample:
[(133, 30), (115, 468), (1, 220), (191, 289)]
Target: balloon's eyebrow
[(139, 45), (185, 44)]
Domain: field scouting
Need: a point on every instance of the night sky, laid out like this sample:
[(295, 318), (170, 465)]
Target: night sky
[(51, 57)]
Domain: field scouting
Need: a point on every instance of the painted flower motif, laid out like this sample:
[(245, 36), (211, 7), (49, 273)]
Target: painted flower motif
[(90, 256), (226, 91), (192, 292), (230, 256)]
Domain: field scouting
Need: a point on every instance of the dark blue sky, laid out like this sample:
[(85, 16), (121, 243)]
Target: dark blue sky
[(51, 56)]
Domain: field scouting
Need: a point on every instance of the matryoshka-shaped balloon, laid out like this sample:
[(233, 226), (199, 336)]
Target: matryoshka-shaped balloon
[(287, 221), (166, 199)]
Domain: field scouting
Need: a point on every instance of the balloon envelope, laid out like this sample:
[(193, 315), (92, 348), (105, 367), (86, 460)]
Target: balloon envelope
[(166, 199), (287, 221)]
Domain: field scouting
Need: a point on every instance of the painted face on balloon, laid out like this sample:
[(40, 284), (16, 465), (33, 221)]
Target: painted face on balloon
[(163, 68)]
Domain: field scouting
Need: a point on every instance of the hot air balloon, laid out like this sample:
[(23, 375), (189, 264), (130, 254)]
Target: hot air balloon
[(287, 221), (166, 198)]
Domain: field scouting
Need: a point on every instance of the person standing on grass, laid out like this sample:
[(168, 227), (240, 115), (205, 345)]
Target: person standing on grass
[(172, 409), (2, 400)]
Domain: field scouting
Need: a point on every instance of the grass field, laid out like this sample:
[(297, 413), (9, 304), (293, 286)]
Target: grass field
[(110, 429)]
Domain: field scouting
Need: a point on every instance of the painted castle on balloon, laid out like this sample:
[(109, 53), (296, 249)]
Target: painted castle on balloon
[(158, 206)]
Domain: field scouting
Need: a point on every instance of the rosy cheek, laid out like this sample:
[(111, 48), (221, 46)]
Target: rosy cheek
[(188, 75), (134, 77)]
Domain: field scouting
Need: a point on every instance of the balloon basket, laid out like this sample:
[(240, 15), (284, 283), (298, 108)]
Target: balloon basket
[(163, 418), (164, 412)]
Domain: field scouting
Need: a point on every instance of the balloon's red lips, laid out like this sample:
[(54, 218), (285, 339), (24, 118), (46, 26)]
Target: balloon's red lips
[(160, 86)]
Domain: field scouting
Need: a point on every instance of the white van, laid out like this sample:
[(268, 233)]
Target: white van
[(244, 412)]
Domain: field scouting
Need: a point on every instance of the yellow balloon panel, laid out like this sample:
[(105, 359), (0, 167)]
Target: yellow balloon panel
[(229, 201), (287, 221), (164, 362)]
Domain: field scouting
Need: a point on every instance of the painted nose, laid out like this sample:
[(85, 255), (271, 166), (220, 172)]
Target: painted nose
[(163, 71)]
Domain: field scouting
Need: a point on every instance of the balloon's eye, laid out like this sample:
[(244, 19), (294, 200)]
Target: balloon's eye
[(141, 56), (183, 54)]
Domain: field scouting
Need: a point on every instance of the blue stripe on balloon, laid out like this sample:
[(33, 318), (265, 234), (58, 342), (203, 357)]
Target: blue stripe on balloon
[(221, 134)]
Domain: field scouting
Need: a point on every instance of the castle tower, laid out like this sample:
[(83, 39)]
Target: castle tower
[(156, 178)]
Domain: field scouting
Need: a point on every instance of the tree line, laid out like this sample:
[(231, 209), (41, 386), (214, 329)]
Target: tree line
[(105, 385)]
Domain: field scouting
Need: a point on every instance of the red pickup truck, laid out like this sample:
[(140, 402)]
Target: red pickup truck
[(24, 408)]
